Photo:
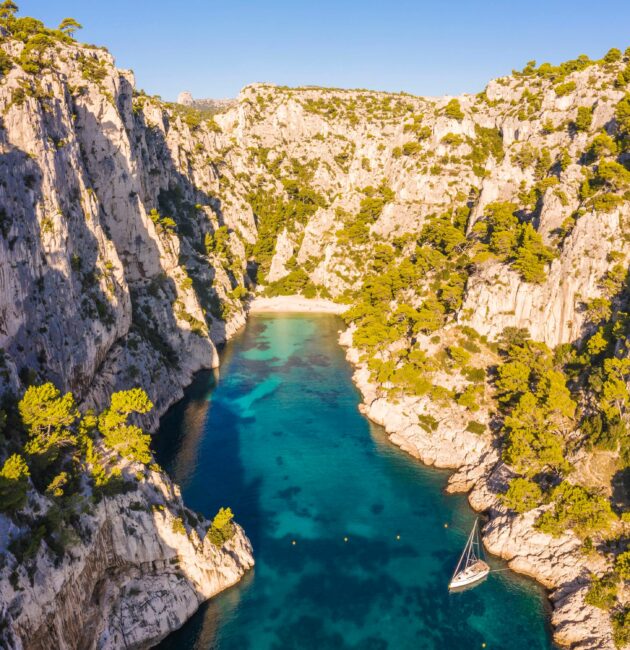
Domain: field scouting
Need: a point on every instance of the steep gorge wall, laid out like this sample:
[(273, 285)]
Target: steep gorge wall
[(91, 286), (98, 293), (95, 296), (134, 577)]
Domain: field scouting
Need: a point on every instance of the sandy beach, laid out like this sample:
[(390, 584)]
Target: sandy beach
[(295, 304)]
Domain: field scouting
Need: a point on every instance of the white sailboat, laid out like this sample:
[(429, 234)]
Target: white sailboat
[(471, 567)]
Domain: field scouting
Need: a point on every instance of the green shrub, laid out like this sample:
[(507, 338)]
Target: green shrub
[(13, 483), (622, 565), (621, 627), (48, 417), (93, 69), (411, 148), (469, 397), (475, 375), (165, 224), (218, 242), (452, 139), (602, 593), (478, 428), (127, 439), (428, 422), (222, 528), (584, 118), (239, 293), (622, 115), (522, 495), (460, 356), (6, 63), (488, 142), (602, 145), (565, 88), (32, 57), (178, 526), (531, 256), (526, 156), (574, 507), (454, 110), (613, 55)]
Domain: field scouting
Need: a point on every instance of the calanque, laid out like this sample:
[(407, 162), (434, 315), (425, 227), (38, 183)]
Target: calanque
[(479, 246)]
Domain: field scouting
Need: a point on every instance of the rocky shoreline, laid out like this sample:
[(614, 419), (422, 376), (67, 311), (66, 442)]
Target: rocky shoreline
[(557, 563), (144, 571)]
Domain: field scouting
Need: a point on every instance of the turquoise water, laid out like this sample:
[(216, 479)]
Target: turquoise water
[(278, 437)]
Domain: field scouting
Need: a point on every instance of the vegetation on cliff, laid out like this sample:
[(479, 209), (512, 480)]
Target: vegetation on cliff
[(64, 461), (394, 204)]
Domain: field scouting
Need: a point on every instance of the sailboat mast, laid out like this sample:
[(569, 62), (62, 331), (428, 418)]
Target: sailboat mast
[(467, 549), (473, 539)]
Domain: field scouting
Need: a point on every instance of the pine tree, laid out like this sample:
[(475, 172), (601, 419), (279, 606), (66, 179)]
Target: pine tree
[(522, 495), (222, 528), (48, 417), (13, 483), (127, 439), (69, 26)]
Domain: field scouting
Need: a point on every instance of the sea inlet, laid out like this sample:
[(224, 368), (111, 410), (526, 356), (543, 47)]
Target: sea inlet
[(354, 541)]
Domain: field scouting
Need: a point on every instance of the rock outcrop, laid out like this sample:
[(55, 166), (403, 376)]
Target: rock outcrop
[(141, 570)]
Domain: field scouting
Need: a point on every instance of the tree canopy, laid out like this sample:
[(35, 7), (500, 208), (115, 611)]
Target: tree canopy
[(127, 439)]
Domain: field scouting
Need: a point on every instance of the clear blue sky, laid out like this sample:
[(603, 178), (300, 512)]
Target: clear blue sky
[(428, 48)]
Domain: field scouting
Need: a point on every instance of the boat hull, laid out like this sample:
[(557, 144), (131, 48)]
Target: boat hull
[(465, 581)]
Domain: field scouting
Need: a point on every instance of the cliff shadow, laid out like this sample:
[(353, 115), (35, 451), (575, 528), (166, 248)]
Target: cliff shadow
[(118, 165), (49, 272), (172, 187)]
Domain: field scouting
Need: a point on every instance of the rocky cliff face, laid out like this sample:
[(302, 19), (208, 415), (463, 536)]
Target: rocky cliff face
[(97, 295), (131, 230), (141, 570), (81, 254), (95, 279)]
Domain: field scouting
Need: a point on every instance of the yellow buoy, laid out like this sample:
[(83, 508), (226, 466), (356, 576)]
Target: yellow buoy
[(445, 525), (483, 645)]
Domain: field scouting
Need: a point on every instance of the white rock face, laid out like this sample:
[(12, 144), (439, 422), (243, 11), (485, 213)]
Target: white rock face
[(185, 98), (284, 252), (136, 579), (113, 275), (552, 311), (95, 293)]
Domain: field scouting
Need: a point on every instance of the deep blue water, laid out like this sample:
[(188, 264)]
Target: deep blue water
[(279, 439)]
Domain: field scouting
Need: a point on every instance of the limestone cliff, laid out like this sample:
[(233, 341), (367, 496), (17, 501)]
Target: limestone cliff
[(101, 291), (141, 568), (132, 230)]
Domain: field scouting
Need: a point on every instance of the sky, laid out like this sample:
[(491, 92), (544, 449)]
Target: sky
[(443, 47)]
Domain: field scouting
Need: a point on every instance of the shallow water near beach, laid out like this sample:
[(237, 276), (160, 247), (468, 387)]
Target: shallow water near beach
[(277, 437)]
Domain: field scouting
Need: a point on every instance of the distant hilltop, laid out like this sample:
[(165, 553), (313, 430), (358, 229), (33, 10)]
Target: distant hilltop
[(216, 105)]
